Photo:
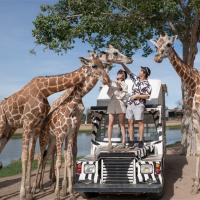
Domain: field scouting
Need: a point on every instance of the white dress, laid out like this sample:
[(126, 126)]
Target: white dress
[(117, 92)]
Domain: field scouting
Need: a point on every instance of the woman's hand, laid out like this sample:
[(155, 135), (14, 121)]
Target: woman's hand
[(118, 83)]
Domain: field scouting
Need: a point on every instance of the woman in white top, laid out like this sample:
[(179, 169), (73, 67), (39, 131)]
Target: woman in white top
[(118, 91)]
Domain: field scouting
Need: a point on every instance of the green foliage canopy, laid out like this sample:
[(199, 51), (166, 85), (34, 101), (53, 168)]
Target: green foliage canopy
[(128, 25)]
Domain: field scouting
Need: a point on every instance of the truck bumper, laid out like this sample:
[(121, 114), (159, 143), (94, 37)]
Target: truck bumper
[(118, 188)]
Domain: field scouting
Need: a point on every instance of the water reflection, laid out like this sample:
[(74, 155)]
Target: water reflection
[(12, 150)]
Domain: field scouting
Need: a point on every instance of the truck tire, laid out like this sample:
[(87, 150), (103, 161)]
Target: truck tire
[(88, 195)]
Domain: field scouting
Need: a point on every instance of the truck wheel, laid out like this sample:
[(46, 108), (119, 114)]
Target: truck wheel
[(88, 195)]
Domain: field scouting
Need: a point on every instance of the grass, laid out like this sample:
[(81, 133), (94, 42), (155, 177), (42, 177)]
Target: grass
[(178, 126), (17, 136), (14, 168), (173, 145)]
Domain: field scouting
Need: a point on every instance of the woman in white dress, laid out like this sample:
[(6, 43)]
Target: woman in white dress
[(118, 91)]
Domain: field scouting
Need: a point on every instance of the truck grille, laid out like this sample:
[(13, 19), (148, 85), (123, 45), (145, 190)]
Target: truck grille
[(117, 170)]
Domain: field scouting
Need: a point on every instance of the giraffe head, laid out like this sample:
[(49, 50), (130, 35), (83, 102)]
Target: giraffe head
[(163, 44), (98, 68), (113, 55), (94, 62)]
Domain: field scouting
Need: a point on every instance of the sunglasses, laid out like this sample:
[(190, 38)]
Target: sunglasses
[(120, 78)]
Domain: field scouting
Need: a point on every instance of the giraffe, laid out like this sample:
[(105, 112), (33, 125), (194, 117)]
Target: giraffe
[(191, 79), (62, 123), (28, 108), (79, 91), (187, 101)]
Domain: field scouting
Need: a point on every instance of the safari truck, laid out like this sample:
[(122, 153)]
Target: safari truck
[(125, 170)]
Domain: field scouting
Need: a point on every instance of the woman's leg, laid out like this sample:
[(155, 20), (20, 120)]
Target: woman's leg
[(110, 127), (130, 129), (122, 126)]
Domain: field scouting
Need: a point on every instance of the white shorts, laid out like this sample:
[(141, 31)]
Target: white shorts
[(135, 112)]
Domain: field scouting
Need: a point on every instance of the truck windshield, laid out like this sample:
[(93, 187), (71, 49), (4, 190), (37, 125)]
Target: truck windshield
[(150, 131)]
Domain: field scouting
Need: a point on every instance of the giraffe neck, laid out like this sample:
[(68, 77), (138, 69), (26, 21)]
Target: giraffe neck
[(91, 82), (82, 89), (67, 93), (183, 70), (74, 95), (52, 84), (88, 85), (74, 100)]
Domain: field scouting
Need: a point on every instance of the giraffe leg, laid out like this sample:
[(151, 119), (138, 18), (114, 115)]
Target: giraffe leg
[(43, 139), (52, 175), (7, 133), (39, 171), (35, 185), (24, 158), (70, 169), (4, 132), (71, 156), (64, 182), (29, 166), (58, 165), (3, 127), (74, 149), (50, 152)]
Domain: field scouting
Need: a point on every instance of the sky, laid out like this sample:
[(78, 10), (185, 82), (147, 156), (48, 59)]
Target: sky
[(18, 66)]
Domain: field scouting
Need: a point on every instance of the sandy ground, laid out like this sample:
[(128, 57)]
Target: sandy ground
[(179, 173)]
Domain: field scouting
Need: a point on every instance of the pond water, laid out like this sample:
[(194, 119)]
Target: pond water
[(12, 151)]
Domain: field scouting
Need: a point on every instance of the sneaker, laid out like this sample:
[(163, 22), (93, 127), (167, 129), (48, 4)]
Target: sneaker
[(131, 145), (140, 144)]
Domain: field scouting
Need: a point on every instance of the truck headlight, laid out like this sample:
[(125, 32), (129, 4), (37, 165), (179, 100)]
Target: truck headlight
[(89, 169), (146, 169)]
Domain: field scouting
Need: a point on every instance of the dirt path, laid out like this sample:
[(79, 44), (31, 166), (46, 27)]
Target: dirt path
[(179, 173)]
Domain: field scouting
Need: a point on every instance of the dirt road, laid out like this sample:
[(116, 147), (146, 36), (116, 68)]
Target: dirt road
[(179, 173)]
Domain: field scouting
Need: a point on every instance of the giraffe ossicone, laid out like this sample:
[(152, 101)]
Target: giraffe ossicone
[(163, 44)]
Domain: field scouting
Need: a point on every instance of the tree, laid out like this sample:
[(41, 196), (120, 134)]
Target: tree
[(128, 25)]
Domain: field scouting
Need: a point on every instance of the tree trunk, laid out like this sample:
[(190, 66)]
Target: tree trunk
[(186, 126)]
